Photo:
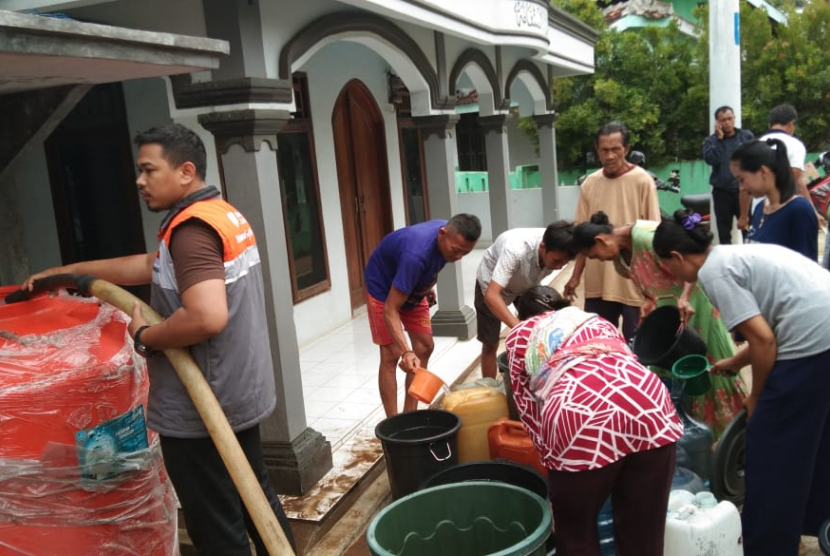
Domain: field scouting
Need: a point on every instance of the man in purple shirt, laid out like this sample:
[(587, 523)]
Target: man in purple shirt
[(400, 277)]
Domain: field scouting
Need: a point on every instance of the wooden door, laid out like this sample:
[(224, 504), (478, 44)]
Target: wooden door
[(363, 177)]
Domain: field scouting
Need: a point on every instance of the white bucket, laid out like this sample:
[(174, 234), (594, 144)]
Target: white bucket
[(702, 527)]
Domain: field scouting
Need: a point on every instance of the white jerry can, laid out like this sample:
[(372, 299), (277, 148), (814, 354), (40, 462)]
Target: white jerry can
[(697, 525)]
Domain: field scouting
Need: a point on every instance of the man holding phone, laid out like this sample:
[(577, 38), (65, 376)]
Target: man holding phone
[(727, 199)]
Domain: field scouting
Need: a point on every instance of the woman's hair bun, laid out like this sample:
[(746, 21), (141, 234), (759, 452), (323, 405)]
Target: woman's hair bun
[(680, 215), (600, 218)]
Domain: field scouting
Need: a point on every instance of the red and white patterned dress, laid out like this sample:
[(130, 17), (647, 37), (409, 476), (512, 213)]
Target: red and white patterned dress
[(599, 411)]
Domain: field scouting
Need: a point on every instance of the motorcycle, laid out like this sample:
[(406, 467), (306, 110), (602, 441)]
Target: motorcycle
[(673, 185), (819, 188)]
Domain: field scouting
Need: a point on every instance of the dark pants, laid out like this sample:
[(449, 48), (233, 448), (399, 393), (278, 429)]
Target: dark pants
[(215, 516), (487, 324), (612, 311), (788, 458), (727, 206), (639, 486)]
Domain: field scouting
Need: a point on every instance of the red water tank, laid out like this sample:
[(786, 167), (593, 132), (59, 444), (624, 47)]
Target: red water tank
[(79, 473), (509, 440)]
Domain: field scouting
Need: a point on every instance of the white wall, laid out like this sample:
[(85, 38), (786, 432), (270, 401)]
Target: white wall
[(527, 208), (34, 196), (328, 72), (146, 102), (522, 150), (280, 22)]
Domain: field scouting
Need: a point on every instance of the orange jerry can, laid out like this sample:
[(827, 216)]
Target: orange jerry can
[(510, 440)]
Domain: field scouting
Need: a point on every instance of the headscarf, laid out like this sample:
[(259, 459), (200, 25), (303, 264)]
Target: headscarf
[(546, 361)]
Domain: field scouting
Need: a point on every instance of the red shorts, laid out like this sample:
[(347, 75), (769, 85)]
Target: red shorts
[(414, 319)]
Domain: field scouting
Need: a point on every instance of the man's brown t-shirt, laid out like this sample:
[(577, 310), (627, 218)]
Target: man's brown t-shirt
[(197, 254)]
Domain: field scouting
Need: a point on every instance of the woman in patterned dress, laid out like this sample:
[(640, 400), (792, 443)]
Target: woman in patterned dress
[(631, 250), (603, 424)]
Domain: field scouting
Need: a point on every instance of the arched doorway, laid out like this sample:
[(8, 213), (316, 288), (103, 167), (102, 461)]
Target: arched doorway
[(363, 178)]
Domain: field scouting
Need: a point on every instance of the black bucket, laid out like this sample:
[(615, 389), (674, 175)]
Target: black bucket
[(503, 471), (417, 444), (504, 369), (661, 340)]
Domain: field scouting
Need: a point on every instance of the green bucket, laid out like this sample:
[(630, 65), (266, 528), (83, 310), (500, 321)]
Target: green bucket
[(472, 518), (694, 371)]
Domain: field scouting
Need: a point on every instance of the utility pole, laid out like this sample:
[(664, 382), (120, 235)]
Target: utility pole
[(724, 58)]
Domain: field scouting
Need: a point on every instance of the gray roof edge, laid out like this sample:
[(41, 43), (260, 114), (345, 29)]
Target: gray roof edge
[(570, 24), (13, 22)]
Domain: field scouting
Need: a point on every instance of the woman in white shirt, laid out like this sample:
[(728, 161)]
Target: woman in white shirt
[(779, 301)]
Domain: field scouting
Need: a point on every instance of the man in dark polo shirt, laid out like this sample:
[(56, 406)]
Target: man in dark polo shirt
[(727, 199)]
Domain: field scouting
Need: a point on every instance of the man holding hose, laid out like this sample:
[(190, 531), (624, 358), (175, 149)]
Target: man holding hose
[(206, 282)]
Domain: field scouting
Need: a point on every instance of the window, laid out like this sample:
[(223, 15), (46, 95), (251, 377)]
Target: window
[(412, 161), (470, 141), (411, 143), (304, 230)]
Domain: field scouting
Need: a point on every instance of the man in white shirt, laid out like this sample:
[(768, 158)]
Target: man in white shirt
[(516, 261), (782, 120)]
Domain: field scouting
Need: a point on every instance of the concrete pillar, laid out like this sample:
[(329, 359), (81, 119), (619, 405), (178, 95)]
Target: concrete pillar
[(547, 167), (453, 318), (246, 143), (240, 23), (14, 259), (498, 172), (724, 72), (724, 58)]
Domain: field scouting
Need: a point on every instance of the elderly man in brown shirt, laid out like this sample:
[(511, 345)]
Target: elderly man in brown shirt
[(626, 193)]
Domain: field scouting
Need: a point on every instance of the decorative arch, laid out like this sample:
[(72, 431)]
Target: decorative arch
[(477, 57), (541, 88), (352, 24)]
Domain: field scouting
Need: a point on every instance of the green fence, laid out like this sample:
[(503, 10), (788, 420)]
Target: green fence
[(694, 178), (524, 177)]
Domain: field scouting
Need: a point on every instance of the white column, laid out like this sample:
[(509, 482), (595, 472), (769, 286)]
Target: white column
[(498, 172), (547, 166), (453, 317), (724, 58)]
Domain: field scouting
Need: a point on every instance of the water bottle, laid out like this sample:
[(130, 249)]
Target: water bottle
[(605, 527)]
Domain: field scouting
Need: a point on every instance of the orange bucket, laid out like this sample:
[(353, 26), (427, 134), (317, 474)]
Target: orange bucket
[(425, 386)]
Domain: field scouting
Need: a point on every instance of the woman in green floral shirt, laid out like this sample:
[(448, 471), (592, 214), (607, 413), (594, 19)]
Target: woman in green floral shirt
[(631, 250)]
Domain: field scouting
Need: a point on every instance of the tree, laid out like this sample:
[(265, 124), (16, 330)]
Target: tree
[(788, 63), (649, 80), (656, 80), (584, 10)]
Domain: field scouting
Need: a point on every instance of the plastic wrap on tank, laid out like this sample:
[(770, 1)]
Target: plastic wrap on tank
[(79, 472)]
